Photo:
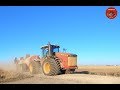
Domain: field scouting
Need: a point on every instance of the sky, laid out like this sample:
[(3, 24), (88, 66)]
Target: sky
[(82, 30)]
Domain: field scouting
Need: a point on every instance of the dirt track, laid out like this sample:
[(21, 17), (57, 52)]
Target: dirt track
[(68, 79)]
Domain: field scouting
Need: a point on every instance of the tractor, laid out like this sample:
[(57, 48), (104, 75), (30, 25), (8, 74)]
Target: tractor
[(52, 62)]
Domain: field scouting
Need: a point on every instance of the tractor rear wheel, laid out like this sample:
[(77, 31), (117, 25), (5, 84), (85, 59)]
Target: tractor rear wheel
[(34, 67), (50, 67)]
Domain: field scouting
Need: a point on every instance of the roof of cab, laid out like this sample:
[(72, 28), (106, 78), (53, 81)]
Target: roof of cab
[(46, 46)]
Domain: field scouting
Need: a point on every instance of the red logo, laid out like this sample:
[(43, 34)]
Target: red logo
[(111, 13)]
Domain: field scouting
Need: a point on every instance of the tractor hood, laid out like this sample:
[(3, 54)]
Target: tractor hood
[(65, 54)]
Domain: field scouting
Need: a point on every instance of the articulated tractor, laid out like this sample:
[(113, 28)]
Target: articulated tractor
[(52, 62)]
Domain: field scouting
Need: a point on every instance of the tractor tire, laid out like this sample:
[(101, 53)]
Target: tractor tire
[(34, 67), (51, 67)]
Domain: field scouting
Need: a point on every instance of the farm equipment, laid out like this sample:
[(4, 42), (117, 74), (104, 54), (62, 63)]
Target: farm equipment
[(51, 63), (28, 64)]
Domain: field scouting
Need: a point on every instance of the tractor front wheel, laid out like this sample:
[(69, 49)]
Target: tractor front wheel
[(50, 67)]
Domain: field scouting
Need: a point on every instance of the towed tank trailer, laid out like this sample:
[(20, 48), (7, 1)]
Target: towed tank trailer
[(52, 62)]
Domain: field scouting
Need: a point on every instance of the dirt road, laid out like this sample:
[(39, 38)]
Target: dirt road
[(68, 79), (84, 75)]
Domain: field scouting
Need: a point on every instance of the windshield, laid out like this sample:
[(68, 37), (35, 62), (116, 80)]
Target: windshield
[(45, 52), (56, 50), (53, 51)]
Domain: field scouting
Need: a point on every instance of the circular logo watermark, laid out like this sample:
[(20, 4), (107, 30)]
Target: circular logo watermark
[(111, 12)]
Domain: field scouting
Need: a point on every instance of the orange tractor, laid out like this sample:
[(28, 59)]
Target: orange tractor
[(52, 61)]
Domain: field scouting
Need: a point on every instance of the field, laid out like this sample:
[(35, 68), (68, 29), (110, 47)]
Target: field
[(100, 70), (8, 76), (83, 75)]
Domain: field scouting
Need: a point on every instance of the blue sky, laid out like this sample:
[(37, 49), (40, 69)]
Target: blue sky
[(83, 30)]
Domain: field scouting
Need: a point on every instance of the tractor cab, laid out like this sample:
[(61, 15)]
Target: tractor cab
[(49, 50)]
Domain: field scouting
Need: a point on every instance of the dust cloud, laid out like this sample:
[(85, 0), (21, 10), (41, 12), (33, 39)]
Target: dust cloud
[(8, 65), (8, 72)]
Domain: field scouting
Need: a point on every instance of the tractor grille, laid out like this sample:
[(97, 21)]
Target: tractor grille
[(72, 61)]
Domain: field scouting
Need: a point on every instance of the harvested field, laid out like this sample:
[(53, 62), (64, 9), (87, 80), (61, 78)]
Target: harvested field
[(83, 75), (68, 79), (8, 76), (100, 70)]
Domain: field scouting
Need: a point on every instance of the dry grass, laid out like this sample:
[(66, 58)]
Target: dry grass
[(101, 70), (7, 76)]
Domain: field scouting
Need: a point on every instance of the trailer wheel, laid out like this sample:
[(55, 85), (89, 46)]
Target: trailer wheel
[(34, 67)]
